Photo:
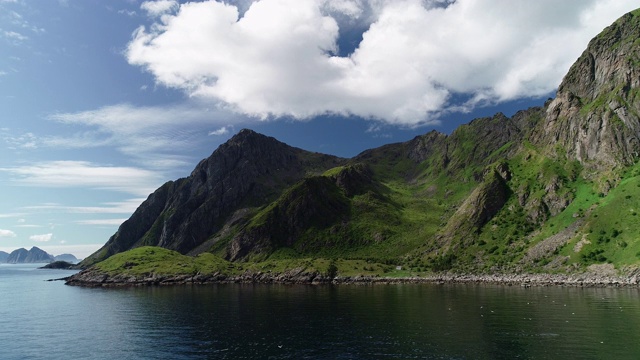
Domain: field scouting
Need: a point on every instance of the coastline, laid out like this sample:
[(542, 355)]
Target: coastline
[(93, 278)]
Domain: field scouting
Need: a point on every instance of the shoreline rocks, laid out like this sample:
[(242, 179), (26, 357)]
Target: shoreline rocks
[(93, 278)]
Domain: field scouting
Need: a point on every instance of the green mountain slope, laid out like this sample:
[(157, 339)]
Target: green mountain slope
[(551, 189)]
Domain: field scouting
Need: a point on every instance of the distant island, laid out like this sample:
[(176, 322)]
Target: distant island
[(34, 256)]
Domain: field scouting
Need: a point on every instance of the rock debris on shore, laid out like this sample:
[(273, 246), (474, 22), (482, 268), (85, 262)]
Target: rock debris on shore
[(93, 278)]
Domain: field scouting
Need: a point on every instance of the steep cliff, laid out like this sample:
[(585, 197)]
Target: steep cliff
[(595, 117)]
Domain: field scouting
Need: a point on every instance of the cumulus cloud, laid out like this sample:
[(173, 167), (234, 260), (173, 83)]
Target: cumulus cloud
[(7, 234), (41, 238), (64, 174), (277, 58)]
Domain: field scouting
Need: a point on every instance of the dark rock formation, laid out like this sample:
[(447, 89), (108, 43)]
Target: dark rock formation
[(589, 279), (59, 264)]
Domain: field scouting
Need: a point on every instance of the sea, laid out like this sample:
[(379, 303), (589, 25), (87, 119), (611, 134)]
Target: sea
[(42, 319)]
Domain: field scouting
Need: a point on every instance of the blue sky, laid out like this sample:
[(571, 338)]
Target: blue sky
[(103, 101)]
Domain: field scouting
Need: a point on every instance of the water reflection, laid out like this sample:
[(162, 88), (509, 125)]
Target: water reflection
[(43, 320), (381, 321)]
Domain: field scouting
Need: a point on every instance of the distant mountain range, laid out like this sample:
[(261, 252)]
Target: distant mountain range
[(35, 255)]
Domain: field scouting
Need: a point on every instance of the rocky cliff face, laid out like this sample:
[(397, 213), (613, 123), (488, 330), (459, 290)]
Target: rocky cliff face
[(3, 256), (595, 117), (244, 173), (24, 256)]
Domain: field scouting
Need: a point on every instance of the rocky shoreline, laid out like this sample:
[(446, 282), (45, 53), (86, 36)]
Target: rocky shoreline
[(94, 278)]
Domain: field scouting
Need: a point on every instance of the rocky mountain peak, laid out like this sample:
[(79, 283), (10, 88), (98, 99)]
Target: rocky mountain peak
[(609, 63), (594, 117)]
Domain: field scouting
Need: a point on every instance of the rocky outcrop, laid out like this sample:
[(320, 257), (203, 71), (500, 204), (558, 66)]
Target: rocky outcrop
[(480, 207), (3, 256), (595, 115), (94, 278), (24, 256), (59, 265)]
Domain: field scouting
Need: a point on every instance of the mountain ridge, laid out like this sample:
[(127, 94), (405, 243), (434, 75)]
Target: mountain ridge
[(33, 255), (497, 194)]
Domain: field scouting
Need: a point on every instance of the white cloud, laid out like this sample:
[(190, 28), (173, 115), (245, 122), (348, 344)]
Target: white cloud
[(65, 174), (222, 131), (276, 60), (351, 8), (41, 238), (7, 234), (15, 36), (5, 216), (152, 135), (129, 13), (159, 7)]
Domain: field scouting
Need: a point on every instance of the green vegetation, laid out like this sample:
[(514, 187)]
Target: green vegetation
[(148, 261), (156, 260), (553, 189)]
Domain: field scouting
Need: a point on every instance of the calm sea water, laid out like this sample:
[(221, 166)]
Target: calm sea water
[(48, 320)]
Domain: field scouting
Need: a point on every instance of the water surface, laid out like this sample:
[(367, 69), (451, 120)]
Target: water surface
[(48, 320)]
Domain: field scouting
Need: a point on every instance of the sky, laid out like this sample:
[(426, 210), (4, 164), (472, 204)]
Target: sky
[(103, 101)]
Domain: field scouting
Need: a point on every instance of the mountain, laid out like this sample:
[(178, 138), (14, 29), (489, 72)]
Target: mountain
[(35, 255), (3, 256), (190, 215), (553, 188)]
